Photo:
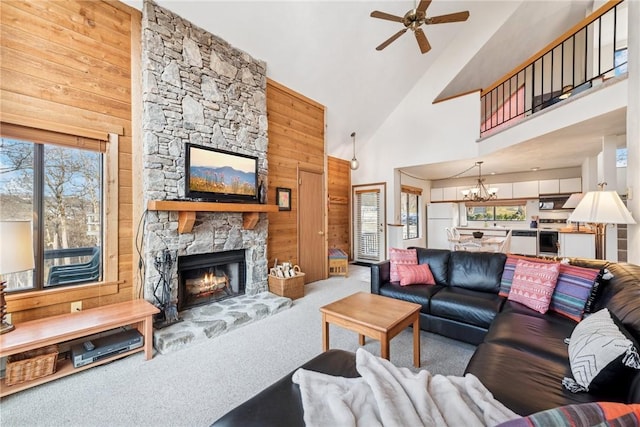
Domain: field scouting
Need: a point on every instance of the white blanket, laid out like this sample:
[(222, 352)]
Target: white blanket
[(386, 395)]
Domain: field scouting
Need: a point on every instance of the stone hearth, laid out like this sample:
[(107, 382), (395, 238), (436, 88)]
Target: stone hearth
[(209, 321)]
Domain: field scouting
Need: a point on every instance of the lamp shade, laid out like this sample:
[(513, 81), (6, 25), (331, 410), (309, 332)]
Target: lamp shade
[(602, 207), (573, 201), (16, 246)]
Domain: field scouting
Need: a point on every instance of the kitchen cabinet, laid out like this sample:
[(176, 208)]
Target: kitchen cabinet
[(450, 194), (436, 195), (549, 186), (525, 189), (582, 245), (505, 190), (571, 185), (524, 242)]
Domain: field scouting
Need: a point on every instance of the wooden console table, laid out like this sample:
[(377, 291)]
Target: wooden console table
[(187, 211), (57, 329)]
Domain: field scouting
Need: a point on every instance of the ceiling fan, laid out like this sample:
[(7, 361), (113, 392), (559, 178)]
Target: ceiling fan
[(414, 19)]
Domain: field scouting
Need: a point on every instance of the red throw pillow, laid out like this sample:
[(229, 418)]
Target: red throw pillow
[(533, 284), (419, 274), (401, 257)]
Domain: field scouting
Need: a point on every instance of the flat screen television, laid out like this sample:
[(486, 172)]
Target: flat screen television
[(217, 175)]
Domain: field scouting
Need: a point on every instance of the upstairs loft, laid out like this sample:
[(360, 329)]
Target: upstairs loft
[(580, 79)]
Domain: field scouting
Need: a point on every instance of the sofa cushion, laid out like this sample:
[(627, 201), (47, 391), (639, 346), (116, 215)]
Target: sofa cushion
[(602, 355), (419, 294), (543, 335), (467, 306), (533, 284), (400, 256), (438, 260), (525, 382), (419, 274), (481, 271)]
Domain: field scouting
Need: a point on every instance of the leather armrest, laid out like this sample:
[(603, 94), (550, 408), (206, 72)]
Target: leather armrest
[(380, 273)]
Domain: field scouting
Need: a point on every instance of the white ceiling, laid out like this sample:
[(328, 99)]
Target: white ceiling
[(326, 51)]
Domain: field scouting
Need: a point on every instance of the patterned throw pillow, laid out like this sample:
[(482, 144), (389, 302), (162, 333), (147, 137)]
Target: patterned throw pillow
[(400, 257), (582, 414), (601, 354), (573, 290), (510, 268), (419, 274), (533, 284)]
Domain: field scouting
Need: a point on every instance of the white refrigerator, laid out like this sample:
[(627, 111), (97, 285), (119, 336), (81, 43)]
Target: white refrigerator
[(440, 216)]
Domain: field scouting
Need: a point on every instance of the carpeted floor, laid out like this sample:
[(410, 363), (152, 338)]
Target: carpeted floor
[(196, 385)]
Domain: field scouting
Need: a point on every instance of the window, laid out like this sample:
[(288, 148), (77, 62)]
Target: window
[(409, 202), (60, 188), (497, 213), (621, 157)]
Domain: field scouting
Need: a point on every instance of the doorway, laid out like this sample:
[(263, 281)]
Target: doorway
[(369, 242), (311, 239)]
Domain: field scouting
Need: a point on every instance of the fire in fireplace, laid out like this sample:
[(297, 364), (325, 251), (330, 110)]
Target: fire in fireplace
[(206, 278)]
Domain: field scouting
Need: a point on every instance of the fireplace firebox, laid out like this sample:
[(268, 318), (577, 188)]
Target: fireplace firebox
[(211, 277)]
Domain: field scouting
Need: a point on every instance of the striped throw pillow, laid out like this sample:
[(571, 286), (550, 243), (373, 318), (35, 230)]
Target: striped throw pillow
[(400, 257), (573, 290), (419, 274)]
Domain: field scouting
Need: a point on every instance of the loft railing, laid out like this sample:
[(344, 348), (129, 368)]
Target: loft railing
[(590, 52)]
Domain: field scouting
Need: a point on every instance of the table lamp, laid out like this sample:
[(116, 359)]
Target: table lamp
[(16, 254), (600, 208)]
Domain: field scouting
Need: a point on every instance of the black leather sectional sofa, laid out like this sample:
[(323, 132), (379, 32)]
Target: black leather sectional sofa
[(521, 355)]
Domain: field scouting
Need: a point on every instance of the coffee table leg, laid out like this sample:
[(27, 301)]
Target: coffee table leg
[(384, 347), (416, 342), (361, 339), (325, 333)]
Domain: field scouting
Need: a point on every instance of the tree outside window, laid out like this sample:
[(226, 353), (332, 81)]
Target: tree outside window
[(409, 202), (59, 188)]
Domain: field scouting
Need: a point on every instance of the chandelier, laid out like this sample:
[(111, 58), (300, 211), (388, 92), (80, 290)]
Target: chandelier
[(480, 193)]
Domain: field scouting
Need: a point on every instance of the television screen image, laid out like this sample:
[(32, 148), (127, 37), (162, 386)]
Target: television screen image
[(218, 175)]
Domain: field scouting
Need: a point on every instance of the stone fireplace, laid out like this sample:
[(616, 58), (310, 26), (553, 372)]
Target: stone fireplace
[(199, 89)]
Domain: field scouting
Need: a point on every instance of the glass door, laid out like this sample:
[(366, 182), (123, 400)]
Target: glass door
[(368, 225)]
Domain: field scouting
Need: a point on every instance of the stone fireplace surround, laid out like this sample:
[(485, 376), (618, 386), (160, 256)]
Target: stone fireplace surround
[(199, 89)]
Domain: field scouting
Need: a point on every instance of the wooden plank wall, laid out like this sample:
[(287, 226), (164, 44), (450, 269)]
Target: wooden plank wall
[(296, 141), (339, 206), (68, 64)]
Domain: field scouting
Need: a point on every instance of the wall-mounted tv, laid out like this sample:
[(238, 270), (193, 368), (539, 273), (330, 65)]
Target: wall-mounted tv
[(220, 176)]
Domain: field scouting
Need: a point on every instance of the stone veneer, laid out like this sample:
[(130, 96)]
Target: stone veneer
[(197, 88)]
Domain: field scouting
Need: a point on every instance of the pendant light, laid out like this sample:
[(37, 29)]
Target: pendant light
[(354, 162), (480, 193)]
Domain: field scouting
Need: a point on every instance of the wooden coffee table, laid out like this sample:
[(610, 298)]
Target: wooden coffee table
[(375, 316)]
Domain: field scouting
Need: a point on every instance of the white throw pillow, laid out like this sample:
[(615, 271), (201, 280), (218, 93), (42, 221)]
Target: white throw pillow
[(601, 352)]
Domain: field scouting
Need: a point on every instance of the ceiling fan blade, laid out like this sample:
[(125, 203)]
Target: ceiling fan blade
[(392, 39), (452, 17), (424, 4), (387, 16), (422, 41)]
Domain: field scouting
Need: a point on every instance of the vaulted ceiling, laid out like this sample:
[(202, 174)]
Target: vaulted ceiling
[(326, 49)]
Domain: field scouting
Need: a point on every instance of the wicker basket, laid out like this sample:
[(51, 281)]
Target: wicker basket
[(31, 365), (290, 287)]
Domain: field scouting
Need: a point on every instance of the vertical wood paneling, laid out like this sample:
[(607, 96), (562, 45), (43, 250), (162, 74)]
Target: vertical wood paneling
[(69, 64), (296, 141), (339, 206)]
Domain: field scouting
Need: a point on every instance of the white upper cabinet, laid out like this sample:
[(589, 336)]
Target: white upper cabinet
[(525, 189), (549, 186), (450, 193), (571, 185), (436, 195), (505, 190)]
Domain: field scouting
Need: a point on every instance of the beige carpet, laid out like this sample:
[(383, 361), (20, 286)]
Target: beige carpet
[(196, 385)]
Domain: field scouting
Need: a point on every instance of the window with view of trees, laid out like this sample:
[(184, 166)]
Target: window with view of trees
[(60, 189), (409, 202), (497, 213)]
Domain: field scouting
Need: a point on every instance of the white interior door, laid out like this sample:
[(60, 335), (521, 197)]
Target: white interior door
[(369, 223)]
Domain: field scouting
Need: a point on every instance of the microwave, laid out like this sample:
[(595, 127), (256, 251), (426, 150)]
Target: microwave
[(552, 203)]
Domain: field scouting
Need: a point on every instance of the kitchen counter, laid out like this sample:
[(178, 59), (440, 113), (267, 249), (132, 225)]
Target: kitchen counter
[(572, 230)]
